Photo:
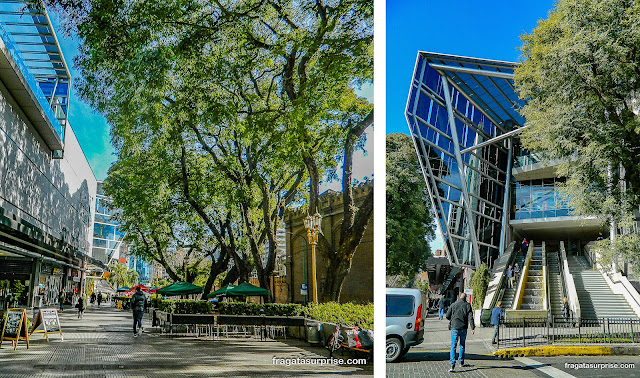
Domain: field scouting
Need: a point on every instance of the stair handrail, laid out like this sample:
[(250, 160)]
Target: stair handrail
[(572, 293), (517, 299), (545, 280)]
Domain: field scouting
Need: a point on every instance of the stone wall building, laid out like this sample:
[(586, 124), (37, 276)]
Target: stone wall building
[(358, 285)]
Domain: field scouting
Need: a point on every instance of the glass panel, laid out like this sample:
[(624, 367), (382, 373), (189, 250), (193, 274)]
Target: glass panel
[(400, 305)]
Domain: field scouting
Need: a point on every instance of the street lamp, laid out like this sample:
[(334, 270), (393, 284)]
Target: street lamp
[(313, 226)]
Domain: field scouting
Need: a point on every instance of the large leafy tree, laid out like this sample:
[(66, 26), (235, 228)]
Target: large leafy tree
[(579, 75), (262, 89), (409, 222)]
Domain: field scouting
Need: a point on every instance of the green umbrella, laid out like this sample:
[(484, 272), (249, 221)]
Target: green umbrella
[(222, 291), (180, 288), (244, 289)]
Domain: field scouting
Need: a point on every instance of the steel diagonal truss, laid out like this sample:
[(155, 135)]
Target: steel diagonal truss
[(461, 171), (427, 173), (466, 208)]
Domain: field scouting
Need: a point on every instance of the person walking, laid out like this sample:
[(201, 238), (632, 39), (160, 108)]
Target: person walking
[(99, 299), (460, 316), (93, 297), (510, 276), (137, 306), (566, 311), (516, 272), (61, 299), (82, 305), (441, 303), (525, 246), (496, 314)]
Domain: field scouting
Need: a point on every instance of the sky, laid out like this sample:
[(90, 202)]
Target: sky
[(93, 131), (479, 29)]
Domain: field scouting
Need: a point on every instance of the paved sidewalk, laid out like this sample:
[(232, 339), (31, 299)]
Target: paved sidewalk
[(102, 345), (431, 358)]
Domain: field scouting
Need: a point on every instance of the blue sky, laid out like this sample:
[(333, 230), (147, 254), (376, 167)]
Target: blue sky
[(480, 29)]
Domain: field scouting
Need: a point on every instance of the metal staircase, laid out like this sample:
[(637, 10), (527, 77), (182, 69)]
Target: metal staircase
[(597, 300), (533, 292), (556, 285), (451, 277)]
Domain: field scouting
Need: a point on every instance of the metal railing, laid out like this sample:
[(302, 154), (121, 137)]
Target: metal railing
[(529, 332), (546, 305)]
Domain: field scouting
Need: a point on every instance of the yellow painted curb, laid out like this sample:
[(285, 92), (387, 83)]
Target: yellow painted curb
[(554, 351)]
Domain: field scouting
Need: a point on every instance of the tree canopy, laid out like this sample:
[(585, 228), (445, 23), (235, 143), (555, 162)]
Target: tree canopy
[(409, 222), (579, 74), (228, 107)]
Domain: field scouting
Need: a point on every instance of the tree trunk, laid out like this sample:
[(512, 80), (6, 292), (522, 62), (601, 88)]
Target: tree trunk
[(334, 278)]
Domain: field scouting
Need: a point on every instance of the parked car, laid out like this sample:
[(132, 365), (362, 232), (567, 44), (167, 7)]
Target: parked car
[(406, 311)]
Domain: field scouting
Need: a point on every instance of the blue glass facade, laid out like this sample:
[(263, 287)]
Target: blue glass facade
[(483, 172), (539, 199), (107, 238)]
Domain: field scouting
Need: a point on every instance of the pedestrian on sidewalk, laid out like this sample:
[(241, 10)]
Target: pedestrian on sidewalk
[(441, 308), (460, 316), (61, 299), (93, 297), (510, 275), (496, 314), (137, 306), (82, 305), (99, 299)]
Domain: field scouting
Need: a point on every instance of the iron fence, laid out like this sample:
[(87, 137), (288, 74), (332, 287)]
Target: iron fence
[(527, 332)]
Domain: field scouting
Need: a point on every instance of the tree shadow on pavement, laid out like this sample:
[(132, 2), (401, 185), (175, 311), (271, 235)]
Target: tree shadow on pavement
[(324, 352)]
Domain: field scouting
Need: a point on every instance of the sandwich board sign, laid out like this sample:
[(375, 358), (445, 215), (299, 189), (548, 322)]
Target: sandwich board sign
[(48, 319), (15, 327)]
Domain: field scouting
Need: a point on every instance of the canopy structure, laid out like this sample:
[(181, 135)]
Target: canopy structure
[(244, 289), (142, 287), (103, 286), (123, 288), (153, 289), (180, 288)]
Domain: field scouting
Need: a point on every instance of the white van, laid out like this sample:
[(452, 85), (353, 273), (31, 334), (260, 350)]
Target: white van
[(406, 311)]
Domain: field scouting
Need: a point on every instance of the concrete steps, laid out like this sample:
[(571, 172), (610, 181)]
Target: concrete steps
[(556, 285), (595, 296)]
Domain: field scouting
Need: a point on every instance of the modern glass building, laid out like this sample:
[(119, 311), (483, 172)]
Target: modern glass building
[(107, 238), (47, 188), (484, 190)]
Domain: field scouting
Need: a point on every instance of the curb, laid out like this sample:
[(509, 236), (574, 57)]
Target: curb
[(549, 351)]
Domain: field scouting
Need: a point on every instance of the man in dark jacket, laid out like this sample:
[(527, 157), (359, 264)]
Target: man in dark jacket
[(460, 316), (137, 306)]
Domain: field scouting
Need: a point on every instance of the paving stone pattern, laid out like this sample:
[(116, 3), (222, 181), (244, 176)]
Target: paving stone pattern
[(102, 345), (431, 358)]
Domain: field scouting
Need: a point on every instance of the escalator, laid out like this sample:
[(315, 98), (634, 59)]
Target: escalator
[(533, 296), (556, 284)]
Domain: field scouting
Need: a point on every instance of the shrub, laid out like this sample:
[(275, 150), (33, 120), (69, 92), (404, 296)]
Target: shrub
[(479, 283), (185, 306), (154, 300), (348, 314), (270, 309)]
